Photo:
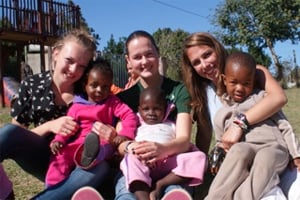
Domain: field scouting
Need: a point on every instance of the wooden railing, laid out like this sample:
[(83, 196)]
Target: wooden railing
[(46, 18)]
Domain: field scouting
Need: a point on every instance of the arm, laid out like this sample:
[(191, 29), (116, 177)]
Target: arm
[(274, 100), (152, 151), (129, 120), (23, 110), (288, 133), (64, 126)]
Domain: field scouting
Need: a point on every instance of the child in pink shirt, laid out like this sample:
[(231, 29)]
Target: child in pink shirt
[(84, 148)]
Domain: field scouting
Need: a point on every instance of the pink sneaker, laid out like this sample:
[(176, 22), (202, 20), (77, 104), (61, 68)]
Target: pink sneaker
[(177, 194), (87, 193)]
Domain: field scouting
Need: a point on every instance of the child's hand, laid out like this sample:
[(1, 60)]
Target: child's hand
[(221, 145), (232, 135), (297, 163), (56, 147), (118, 140)]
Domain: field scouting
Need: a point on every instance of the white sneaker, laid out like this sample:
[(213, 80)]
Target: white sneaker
[(87, 193), (177, 194)]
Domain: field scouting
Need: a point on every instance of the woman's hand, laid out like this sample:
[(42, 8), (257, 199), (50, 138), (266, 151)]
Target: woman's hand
[(231, 136), (106, 132), (149, 152), (64, 126)]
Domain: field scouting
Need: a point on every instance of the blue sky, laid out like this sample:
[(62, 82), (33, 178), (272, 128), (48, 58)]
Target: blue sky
[(121, 17)]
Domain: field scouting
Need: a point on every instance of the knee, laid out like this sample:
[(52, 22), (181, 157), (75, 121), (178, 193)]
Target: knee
[(7, 132), (240, 153), (121, 190), (239, 150), (8, 135), (272, 156)]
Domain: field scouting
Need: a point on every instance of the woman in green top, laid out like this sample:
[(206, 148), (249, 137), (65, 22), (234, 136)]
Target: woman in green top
[(143, 56)]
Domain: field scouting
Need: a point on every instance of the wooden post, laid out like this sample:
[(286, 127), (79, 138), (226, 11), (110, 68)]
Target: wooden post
[(42, 57), (1, 78), (19, 59)]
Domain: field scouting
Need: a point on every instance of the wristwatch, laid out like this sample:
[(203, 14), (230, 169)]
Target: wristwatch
[(242, 122)]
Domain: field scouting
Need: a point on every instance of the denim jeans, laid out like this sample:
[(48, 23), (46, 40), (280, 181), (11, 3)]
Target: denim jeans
[(26, 148), (77, 179), (32, 153), (122, 193), (290, 183)]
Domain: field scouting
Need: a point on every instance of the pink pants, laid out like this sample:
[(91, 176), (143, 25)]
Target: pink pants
[(190, 165)]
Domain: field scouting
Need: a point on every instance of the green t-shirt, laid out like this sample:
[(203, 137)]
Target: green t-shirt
[(175, 92)]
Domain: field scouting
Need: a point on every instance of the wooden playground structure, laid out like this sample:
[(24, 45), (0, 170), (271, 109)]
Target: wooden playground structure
[(25, 22)]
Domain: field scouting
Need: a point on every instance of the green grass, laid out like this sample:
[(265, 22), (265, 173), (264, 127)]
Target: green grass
[(25, 186), (292, 109)]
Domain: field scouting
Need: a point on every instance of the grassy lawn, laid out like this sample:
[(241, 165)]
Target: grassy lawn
[(25, 186)]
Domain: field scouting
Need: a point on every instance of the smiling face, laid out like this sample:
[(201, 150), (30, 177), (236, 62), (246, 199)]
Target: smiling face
[(204, 61), (98, 85), (70, 62), (142, 57)]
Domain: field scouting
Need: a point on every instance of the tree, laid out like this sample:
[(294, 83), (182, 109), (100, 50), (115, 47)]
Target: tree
[(169, 43), (259, 24), (84, 25), (114, 47), (114, 52), (296, 70), (170, 46)]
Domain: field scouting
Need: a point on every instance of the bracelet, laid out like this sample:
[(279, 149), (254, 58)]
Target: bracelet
[(242, 122), (126, 150)]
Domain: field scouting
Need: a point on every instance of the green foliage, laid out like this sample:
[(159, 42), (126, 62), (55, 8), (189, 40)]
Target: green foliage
[(8, 48), (4, 22), (84, 25), (260, 56), (114, 47), (114, 52), (170, 45), (259, 24)]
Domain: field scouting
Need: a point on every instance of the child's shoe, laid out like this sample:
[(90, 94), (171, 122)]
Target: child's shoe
[(91, 149), (87, 193), (177, 194)]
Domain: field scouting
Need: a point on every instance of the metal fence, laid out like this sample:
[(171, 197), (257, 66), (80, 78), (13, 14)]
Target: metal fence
[(118, 65), (45, 17)]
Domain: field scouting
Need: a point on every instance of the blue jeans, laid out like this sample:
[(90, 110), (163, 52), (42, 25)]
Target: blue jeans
[(77, 179), (122, 193), (32, 153), (287, 179), (26, 148)]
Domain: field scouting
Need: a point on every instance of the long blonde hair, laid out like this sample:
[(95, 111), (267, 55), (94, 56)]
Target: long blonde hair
[(197, 85)]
